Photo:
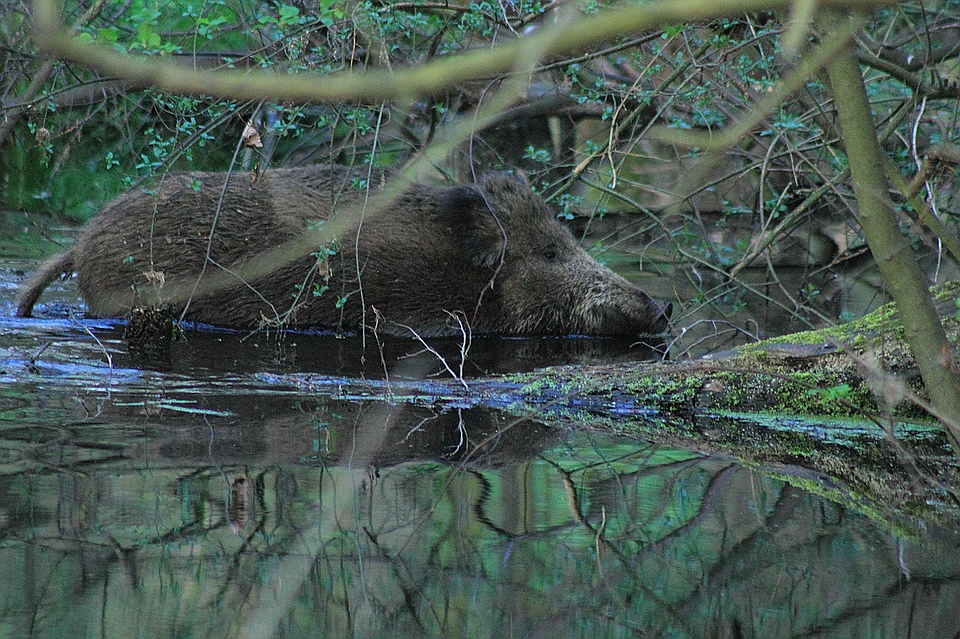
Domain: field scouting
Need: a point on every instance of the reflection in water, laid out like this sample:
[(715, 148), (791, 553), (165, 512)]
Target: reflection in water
[(191, 499), (330, 518)]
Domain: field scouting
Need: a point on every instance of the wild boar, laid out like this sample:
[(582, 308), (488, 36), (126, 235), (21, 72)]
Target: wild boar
[(255, 250)]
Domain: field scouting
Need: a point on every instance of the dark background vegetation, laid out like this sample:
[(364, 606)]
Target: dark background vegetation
[(757, 238)]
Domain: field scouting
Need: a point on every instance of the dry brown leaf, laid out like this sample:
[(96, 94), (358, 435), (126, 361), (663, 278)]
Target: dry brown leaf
[(250, 136)]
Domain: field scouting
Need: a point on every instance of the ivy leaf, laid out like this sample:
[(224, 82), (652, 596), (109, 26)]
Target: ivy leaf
[(288, 14)]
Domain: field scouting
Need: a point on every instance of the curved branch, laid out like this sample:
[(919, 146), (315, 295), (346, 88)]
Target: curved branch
[(912, 80), (12, 117), (898, 267), (377, 85)]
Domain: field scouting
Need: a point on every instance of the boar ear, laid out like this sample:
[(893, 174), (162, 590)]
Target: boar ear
[(474, 224)]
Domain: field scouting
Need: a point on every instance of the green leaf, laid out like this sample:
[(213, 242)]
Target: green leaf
[(288, 14), (107, 36)]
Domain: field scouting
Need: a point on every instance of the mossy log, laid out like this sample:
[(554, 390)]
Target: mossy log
[(862, 437), (833, 410)]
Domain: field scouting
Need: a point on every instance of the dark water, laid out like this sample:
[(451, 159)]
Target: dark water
[(204, 497)]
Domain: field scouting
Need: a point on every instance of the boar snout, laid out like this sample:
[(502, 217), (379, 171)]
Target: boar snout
[(645, 317), (662, 314), (666, 311)]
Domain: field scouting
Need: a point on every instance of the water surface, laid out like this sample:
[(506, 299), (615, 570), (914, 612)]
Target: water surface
[(204, 497)]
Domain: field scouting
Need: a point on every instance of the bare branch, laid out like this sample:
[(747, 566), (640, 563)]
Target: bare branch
[(376, 85)]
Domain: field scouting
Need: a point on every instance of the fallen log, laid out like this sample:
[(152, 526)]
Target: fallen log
[(837, 411)]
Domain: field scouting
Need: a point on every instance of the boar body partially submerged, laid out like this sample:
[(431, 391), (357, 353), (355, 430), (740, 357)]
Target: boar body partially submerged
[(245, 252)]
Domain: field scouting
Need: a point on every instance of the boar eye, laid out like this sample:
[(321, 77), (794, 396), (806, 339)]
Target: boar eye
[(550, 254)]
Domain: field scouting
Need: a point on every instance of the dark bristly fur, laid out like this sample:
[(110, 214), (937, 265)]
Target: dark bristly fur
[(491, 251)]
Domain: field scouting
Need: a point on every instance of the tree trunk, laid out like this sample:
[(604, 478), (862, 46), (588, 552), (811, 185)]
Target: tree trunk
[(897, 263)]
